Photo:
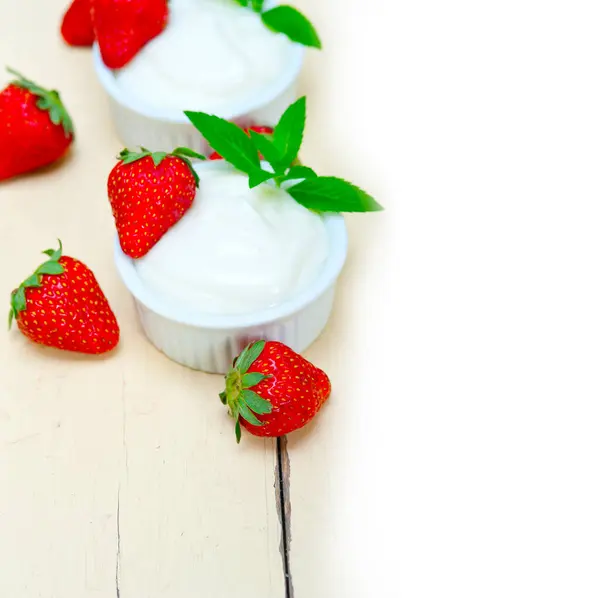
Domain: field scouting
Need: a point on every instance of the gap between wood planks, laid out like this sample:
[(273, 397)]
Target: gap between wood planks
[(284, 510)]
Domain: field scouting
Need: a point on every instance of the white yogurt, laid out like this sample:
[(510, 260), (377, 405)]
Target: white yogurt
[(237, 250), (213, 56)]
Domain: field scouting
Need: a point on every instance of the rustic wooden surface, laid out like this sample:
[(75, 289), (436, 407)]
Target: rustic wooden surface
[(120, 476)]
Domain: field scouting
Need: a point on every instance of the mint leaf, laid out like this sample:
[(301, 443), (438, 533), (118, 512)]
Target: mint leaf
[(289, 132), (228, 140), (330, 194), (300, 172), (269, 151), (258, 177), (287, 20)]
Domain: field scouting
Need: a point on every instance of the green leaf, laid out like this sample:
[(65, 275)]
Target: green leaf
[(249, 355), (269, 151), (300, 172), (129, 157), (223, 397), (331, 194), (238, 431), (256, 402), (248, 415), (242, 2), (188, 153), (32, 281), (257, 177), (50, 268), (19, 301), (257, 5), (228, 140), (54, 254), (289, 21), (249, 380), (289, 132), (158, 157), (11, 317)]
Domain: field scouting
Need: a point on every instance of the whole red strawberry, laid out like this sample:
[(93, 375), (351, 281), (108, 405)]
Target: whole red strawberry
[(149, 192), (76, 28), (272, 391), (261, 130), (35, 128), (61, 305), (123, 27)]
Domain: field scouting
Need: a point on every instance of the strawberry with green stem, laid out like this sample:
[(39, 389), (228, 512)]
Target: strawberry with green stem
[(61, 305), (35, 127), (271, 390), (149, 192)]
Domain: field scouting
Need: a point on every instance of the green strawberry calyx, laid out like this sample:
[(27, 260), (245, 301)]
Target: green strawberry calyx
[(51, 267), (238, 396), (128, 156), (49, 100)]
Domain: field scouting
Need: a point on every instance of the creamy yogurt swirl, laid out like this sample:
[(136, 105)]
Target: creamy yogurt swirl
[(237, 250), (213, 56)]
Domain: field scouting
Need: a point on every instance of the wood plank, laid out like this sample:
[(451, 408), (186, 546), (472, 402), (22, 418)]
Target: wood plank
[(120, 475)]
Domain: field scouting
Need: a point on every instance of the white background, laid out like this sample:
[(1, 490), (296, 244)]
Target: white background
[(471, 467)]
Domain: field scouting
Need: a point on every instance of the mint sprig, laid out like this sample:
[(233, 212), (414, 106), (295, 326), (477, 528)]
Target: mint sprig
[(280, 150), (287, 20)]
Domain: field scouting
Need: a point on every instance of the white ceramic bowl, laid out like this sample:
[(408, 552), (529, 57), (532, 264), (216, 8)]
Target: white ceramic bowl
[(164, 129), (211, 342)]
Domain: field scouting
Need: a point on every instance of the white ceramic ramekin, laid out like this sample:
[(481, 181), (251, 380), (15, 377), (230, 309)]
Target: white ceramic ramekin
[(211, 342), (164, 129)]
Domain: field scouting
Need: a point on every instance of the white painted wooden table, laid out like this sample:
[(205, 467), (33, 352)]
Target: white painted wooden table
[(120, 476)]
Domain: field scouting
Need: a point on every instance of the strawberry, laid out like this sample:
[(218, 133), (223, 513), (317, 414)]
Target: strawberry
[(35, 128), (149, 193), (61, 305), (76, 28), (272, 391), (261, 130), (123, 27)]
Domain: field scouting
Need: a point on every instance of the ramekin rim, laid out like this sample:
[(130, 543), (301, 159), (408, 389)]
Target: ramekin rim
[(271, 93)]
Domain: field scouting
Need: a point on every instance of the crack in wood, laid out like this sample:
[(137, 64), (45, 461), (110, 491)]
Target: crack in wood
[(284, 510), (118, 564)]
